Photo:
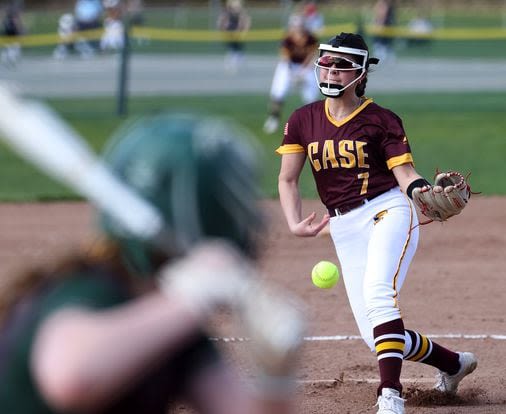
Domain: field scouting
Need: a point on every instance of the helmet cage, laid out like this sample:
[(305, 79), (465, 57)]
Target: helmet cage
[(334, 90)]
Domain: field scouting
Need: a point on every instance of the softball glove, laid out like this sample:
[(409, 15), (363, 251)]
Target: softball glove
[(446, 198)]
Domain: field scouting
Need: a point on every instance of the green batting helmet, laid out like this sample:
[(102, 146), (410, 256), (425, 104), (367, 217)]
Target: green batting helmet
[(200, 173)]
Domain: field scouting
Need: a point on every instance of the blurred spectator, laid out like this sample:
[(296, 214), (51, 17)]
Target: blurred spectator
[(295, 66), (384, 17), (70, 41), (313, 19), (66, 32), (422, 27), (114, 31), (234, 21), (12, 26), (88, 15)]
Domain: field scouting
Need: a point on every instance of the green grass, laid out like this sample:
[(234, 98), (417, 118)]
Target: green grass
[(271, 17), (266, 16), (446, 131)]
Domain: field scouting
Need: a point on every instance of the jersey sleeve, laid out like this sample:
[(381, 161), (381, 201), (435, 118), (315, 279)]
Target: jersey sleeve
[(83, 290), (291, 143), (395, 143)]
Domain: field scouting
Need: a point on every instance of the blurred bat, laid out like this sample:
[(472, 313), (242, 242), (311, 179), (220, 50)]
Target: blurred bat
[(42, 137)]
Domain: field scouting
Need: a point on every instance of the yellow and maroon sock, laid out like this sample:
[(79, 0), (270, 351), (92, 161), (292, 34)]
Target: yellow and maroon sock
[(389, 343), (419, 348)]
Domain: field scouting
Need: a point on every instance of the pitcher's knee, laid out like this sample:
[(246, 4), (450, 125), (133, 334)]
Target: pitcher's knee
[(381, 309)]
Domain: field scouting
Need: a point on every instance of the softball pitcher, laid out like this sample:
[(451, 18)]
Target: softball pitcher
[(364, 173)]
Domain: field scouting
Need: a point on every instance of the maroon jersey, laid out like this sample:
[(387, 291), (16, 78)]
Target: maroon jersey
[(351, 159), (299, 47)]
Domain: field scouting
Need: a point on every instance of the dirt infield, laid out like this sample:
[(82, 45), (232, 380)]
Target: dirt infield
[(456, 286)]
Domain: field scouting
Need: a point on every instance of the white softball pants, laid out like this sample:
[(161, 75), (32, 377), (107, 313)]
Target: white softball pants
[(287, 75), (375, 250)]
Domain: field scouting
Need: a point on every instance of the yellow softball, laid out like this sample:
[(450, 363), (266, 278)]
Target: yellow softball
[(325, 274)]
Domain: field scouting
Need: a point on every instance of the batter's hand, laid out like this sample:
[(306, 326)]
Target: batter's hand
[(306, 228), (212, 274)]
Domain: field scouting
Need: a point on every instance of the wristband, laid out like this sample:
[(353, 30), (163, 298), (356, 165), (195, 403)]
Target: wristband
[(419, 182)]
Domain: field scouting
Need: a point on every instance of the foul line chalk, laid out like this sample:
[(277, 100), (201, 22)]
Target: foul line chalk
[(435, 336), (357, 337), (361, 380)]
